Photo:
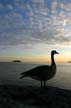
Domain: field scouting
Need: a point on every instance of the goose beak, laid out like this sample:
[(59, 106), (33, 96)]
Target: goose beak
[(57, 53)]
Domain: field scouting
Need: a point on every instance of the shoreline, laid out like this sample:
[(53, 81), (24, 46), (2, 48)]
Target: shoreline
[(23, 96)]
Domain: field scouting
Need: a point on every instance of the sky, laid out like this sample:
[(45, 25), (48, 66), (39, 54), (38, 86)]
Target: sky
[(31, 29)]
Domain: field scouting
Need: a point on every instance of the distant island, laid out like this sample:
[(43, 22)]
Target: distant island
[(16, 61), (69, 61)]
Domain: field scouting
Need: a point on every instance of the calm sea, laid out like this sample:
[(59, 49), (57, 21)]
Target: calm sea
[(10, 74)]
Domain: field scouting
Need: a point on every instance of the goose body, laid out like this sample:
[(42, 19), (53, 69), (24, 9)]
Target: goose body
[(42, 72)]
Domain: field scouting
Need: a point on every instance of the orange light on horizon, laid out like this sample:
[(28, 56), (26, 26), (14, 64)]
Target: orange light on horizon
[(39, 58)]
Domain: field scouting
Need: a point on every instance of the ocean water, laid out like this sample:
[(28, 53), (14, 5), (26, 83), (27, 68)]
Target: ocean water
[(10, 74)]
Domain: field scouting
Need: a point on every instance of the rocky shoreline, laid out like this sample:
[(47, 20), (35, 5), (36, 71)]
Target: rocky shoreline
[(13, 96)]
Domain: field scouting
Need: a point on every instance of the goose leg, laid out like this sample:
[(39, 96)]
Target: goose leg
[(44, 83), (41, 83)]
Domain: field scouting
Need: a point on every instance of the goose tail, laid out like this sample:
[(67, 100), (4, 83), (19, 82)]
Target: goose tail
[(23, 75)]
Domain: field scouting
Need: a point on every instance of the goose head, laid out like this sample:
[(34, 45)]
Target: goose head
[(54, 52)]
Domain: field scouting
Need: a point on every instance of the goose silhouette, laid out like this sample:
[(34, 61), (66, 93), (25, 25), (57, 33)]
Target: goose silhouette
[(42, 72)]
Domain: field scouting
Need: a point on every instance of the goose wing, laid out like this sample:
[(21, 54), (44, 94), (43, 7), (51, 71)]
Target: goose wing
[(37, 71)]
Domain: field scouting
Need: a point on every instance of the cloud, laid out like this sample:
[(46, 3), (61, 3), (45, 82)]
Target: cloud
[(31, 40), (38, 1), (1, 6), (9, 6), (31, 13), (32, 24), (65, 6), (10, 22), (54, 6), (61, 4)]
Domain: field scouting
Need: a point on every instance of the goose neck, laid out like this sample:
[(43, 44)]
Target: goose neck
[(52, 60)]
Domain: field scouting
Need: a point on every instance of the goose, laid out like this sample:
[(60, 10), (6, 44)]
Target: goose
[(42, 72)]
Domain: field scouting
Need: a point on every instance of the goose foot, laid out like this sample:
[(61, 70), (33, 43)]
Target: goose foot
[(41, 83), (44, 84)]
